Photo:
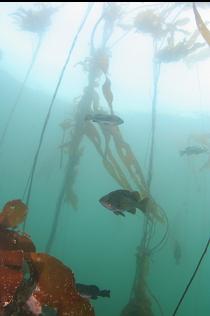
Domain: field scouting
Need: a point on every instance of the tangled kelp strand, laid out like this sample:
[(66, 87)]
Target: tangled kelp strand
[(192, 277), (31, 175)]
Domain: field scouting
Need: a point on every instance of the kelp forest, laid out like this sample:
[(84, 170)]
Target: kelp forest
[(42, 283)]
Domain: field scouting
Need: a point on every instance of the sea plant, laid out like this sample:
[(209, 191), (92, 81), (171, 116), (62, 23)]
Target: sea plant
[(30, 179), (97, 66), (123, 168), (37, 21), (31, 281)]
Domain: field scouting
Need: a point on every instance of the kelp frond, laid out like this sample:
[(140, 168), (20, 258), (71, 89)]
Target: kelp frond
[(109, 161), (201, 25), (149, 22), (140, 303), (36, 20), (97, 63)]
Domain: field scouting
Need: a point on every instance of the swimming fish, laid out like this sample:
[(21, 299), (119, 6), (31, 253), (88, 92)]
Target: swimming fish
[(120, 201), (106, 119), (91, 291), (193, 150)]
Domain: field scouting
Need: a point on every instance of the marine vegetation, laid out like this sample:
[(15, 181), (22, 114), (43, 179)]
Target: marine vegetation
[(192, 277), (176, 52), (117, 156), (47, 282), (163, 29), (31, 281), (36, 21), (172, 50), (201, 25), (97, 65), (29, 183), (140, 299)]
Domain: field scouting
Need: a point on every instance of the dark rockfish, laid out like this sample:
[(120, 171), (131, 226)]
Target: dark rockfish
[(91, 291), (193, 150), (123, 200), (107, 119)]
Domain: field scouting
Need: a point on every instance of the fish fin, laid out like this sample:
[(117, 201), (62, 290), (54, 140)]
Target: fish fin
[(142, 205), (132, 210), (119, 213), (105, 293), (136, 195)]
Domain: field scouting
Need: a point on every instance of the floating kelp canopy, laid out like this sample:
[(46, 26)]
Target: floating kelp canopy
[(36, 20)]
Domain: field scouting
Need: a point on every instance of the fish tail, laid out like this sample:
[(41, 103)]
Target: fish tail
[(105, 293), (142, 205)]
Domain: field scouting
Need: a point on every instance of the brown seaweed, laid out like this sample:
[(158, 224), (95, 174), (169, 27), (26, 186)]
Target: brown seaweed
[(201, 25), (36, 156), (36, 20), (110, 163), (149, 22), (140, 303), (121, 164), (55, 286), (107, 92), (50, 282), (11, 276), (11, 240), (13, 213), (177, 52)]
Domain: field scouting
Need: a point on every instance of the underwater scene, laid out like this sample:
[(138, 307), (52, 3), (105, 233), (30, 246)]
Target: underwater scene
[(104, 158)]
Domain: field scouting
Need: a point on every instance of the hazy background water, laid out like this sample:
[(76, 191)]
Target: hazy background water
[(98, 246)]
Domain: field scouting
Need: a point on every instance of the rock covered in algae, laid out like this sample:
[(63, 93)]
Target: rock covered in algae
[(50, 282), (11, 276), (55, 286), (11, 240), (13, 213)]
